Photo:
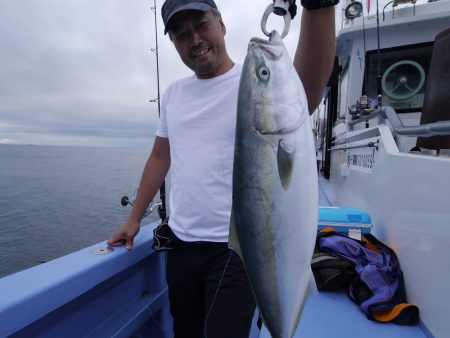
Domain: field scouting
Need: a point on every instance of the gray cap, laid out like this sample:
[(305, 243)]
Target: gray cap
[(171, 7)]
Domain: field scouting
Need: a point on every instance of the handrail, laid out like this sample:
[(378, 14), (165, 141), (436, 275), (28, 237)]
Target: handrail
[(365, 145), (440, 128), (392, 117)]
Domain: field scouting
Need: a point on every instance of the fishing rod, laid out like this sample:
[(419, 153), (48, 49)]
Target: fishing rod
[(161, 205), (366, 70), (162, 211), (155, 50), (379, 96)]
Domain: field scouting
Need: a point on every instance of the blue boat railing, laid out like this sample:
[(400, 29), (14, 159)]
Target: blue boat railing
[(116, 294)]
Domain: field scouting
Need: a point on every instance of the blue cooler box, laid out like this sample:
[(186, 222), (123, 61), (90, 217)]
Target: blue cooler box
[(347, 221)]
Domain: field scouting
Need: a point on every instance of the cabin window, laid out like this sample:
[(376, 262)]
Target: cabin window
[(403, 72)]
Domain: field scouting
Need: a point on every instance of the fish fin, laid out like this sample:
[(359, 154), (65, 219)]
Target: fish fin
[(311, 289), (233, 239), (285, 158)]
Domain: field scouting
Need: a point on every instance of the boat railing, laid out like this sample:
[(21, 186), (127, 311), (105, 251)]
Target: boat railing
[(440, 128), (94, 292)]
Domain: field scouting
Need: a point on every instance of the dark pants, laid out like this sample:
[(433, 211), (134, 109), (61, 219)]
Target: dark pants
[(209, 292)]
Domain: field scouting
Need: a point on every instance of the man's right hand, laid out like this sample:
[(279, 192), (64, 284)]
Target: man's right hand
[(125, 235)]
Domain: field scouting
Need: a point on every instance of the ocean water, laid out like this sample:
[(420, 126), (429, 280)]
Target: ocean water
[(56, 200)]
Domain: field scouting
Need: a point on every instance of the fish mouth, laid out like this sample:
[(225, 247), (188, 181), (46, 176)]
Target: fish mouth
[(258, 43), (271, 48), (274, 39)]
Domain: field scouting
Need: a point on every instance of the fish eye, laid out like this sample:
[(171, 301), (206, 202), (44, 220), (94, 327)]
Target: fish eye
[(263, 73)]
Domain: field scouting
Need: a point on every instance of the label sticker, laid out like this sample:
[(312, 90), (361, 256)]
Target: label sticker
[(361, 160)]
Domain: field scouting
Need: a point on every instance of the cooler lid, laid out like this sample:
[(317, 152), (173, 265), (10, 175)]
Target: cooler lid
[(344, 215)]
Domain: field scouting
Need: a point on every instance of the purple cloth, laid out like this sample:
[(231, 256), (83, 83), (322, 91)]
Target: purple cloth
[(380, 272)]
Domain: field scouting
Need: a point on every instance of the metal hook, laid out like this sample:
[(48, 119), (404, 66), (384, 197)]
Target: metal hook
[(287, 21), (281, 7)]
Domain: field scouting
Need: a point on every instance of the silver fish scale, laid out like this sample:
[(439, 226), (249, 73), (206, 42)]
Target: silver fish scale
[(275, 198)]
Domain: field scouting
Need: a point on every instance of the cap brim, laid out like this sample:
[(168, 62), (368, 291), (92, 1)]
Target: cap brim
[(195, 6)]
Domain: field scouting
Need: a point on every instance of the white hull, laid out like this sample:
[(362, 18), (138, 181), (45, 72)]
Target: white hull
[(407, 196), (372, 168)]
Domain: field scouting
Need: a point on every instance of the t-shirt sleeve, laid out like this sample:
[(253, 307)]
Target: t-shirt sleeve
[(162, 128)]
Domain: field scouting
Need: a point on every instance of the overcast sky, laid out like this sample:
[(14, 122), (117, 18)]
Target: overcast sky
[(81, 72)]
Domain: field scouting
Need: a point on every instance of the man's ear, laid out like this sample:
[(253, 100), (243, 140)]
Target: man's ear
[(224, 28)]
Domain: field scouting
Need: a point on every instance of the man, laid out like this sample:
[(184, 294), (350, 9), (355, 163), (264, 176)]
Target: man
[(208, 288)]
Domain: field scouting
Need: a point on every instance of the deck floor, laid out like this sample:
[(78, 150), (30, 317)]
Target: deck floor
[(332, 314)]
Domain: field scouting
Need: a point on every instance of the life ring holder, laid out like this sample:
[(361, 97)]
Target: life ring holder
[(403, 81)]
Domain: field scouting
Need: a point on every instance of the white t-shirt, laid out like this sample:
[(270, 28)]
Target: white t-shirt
[(199, 119)]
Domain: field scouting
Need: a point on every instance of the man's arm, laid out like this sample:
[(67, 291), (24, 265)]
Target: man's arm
[(152, 178), (315, 53)]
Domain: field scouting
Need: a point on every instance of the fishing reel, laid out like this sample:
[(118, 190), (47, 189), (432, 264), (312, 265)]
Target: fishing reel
[(125, 200), (362, 107)]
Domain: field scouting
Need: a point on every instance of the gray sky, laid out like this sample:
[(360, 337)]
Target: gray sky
[(81, 72)]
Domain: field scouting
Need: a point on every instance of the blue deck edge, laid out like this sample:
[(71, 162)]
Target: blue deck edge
[(74, 291)]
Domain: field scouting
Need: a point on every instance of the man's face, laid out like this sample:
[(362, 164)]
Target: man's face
[(199, 40)]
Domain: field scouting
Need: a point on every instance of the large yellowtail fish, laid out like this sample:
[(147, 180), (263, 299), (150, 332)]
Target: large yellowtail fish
[(275, 191)]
